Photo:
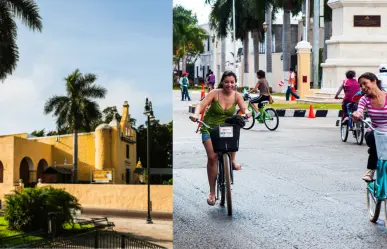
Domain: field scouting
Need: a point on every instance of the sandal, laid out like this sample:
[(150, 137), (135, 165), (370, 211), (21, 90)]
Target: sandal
[(211, 200)]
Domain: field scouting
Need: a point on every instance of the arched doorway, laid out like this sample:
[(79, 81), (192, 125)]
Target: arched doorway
[(26, 166), (1, 172), (42, 165)]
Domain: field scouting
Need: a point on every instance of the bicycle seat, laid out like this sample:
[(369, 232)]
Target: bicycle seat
[(265, 102)]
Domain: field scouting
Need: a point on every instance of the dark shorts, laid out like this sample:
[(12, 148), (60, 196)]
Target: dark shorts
[(259, 100)]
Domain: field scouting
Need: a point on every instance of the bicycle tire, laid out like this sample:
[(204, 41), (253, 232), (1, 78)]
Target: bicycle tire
[(344, 132), (275, 117), (359, 132), (220, 182), (248, 121), (373, 212), (227, 177)]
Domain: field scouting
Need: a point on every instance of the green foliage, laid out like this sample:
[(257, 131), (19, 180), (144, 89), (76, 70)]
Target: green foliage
[(160, 144), (187, 36), (76, 111), (37, 133), (28, 12), (169, 182), (28, 210)]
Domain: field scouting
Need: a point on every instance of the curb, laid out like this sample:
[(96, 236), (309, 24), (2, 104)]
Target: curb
[(126, 213), (297, 113)]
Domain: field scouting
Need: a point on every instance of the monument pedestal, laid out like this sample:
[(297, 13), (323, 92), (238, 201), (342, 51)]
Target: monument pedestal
[(358, 42), (303, 61)]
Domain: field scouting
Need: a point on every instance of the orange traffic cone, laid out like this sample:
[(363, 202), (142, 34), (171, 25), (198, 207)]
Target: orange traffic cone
[(311, 113)]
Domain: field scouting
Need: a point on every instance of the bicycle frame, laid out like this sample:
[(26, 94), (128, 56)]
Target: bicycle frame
[(379, 186)]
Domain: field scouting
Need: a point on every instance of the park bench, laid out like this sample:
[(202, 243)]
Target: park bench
[(103, 223), (82, 222)]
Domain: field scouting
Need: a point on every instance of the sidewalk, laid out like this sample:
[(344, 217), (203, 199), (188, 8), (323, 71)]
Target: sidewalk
[(160, 232)]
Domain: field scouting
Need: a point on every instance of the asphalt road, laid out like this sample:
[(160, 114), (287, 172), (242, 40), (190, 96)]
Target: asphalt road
[(300, 187)]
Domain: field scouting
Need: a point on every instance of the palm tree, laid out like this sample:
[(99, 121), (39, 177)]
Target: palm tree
[(77, 110), (245, 21), (28, 12)]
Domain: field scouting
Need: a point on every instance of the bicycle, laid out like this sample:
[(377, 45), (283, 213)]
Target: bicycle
[(268, 114), (225, 139), (357, 128), (377, 188)]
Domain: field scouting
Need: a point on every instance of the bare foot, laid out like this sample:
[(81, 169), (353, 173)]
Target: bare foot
[(211, 199), (236, 166)]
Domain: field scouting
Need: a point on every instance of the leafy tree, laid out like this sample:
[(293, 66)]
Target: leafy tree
[(187, 36), (28, 12), (76, 110), (37, 133)]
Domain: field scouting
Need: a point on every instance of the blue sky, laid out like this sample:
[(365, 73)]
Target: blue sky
[(126, 43)]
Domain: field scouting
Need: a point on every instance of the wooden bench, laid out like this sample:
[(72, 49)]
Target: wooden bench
[(103, 223)]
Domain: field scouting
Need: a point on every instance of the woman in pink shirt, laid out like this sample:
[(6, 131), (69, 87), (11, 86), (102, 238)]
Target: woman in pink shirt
[(375, 100), (351, 87)]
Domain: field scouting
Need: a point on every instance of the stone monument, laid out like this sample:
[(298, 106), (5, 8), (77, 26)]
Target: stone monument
[(358, 42)]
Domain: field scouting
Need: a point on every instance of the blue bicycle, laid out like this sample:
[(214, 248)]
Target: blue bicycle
[(377, 189)]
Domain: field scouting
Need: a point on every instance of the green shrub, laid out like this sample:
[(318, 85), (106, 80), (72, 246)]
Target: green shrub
[(28, 210), (169, 182)]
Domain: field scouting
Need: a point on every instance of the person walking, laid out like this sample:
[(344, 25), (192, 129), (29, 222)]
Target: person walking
[(291, 85), (184, 85)]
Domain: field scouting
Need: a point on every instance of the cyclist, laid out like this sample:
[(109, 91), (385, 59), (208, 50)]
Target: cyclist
[(351, 87), (383, 76), (264, 92), (375, 100), (223, 102)]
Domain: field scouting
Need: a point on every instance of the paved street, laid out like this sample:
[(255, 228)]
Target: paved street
[(300, 187)]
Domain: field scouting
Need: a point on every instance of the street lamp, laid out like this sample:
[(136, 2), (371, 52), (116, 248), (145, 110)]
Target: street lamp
[(149, 113)]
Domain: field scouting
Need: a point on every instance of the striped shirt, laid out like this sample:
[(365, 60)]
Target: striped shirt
[(378, 115)]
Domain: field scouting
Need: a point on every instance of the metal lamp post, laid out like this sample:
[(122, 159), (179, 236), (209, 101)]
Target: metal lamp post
[(149, 113)]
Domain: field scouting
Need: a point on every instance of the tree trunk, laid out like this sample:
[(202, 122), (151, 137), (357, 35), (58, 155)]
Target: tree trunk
[(316, 42), (269, 46), (255, 36), (286, 38), (223, 56), (246, 59), (75, 157)]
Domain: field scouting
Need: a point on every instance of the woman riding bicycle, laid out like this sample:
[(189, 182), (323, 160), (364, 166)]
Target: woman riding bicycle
[(223, 102), (351, 87), (375, 100)]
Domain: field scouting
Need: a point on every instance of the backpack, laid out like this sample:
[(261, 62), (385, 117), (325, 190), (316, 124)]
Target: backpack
[(185, 81)]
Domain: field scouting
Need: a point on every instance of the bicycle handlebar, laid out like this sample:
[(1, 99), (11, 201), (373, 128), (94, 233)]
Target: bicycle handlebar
[(372, 128), (244, 116)]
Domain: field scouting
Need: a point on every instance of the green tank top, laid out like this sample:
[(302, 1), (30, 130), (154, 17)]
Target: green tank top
[(216, 115)]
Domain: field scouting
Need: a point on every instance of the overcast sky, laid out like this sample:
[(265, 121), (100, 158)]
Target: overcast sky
[(203, 10), (127, 44)]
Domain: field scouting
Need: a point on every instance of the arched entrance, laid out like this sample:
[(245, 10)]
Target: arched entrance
[(1, 172), (26, 166), (41, 167)]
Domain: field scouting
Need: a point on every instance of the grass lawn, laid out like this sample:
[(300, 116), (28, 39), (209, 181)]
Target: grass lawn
[(5, 232)]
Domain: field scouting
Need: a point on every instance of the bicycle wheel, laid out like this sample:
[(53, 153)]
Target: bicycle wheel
[(344, 132), (373, 206), (227, 176), (271, 119), (359, 132), (220, 182), (249, 123)]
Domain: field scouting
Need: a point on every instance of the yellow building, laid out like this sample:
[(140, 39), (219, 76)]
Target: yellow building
[(111, 147)]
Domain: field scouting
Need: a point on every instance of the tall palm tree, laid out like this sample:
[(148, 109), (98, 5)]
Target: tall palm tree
[(77, 110), (28, 12), (221, 20)]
